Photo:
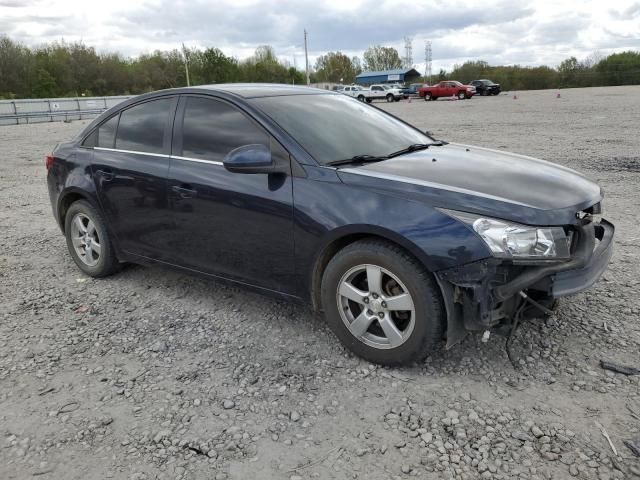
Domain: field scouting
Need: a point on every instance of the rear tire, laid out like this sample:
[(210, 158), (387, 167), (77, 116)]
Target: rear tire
[(361, 98), (382, 304), (88, 241)]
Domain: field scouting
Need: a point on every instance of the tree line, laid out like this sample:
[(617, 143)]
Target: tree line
[(63, 69), (73, 69), (594, 71)]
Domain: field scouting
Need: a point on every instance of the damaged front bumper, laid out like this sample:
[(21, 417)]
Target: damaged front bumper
[(484, 295)]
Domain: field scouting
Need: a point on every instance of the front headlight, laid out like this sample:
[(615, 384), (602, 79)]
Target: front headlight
[(515, 241)]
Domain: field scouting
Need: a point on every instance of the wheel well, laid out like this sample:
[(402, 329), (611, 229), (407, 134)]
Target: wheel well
[(329, 252), (66, 202)]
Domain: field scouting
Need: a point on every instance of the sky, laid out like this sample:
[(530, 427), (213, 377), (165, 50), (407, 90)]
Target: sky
[(501, 32)]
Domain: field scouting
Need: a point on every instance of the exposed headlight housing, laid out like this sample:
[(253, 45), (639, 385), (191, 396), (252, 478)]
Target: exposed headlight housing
[(515, 241)]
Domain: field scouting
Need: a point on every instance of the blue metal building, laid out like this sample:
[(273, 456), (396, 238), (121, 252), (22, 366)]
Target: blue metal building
[(399, 75)]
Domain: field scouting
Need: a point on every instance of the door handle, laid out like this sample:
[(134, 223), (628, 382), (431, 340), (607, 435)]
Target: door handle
[(107, 175), (184, 192)]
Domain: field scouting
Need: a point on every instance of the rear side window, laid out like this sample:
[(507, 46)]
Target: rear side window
[(142, 128), (107, 132), (104, 135), (212, 128)]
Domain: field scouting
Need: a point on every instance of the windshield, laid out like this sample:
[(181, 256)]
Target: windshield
[(337, 127)]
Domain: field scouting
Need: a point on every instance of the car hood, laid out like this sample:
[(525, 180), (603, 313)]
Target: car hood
[(485, 181)]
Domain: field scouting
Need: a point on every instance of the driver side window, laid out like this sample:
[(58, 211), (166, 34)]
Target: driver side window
[(212, 128)]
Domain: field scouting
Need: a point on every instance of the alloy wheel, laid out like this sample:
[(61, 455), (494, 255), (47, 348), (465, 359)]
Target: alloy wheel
[(85, 239), (376, 306)]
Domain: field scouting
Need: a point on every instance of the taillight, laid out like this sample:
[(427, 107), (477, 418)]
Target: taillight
[(48, 160)]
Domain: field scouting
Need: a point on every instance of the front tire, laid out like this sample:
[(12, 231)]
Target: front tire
[(88, 240), (382, 304), (462, 95), (389, 98), (427, 97)]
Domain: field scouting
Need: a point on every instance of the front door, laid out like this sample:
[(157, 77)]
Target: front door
[(235, 225), (130, 166)]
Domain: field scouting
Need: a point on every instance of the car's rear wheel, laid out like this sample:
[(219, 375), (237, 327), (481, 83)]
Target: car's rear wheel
[(427, 97), (462, 95), (361, 98), (382, 304), (88, 240)]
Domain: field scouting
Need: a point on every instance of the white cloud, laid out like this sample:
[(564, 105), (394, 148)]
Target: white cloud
[(498, 31)]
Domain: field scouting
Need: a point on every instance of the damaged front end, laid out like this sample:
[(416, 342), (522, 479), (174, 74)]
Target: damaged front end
[(487, 295)]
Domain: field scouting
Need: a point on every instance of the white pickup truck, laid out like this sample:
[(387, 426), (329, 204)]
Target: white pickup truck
[(375, 92)]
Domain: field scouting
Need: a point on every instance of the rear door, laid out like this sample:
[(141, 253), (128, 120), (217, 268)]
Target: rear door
[(235, 225), (130, 166)]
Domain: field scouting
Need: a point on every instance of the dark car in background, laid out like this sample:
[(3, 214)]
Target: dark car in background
[(400, 239), (412, 90), (486, 87)]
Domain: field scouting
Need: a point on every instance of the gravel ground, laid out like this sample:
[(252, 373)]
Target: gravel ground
[(154, 374)]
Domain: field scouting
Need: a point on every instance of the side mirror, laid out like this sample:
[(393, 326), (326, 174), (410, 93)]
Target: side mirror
[(249, 159)]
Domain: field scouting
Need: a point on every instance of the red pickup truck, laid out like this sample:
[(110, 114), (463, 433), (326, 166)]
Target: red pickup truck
[(447, 88)]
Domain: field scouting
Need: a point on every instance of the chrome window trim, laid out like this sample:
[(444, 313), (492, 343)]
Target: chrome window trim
[(119, 150), (161, 155), (198, 160)]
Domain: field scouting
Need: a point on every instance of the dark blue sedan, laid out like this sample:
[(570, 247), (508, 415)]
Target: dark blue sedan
[(400, 239)]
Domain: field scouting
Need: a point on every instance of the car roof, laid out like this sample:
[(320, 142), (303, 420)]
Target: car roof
[(254, 90)]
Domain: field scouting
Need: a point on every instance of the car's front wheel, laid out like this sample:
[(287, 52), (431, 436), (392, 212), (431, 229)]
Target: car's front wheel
[(462, 95), (382, 304), (88, 240), (389, 98), (427, 97)]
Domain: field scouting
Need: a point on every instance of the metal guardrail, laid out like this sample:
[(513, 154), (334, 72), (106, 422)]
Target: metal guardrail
[(15, 112)]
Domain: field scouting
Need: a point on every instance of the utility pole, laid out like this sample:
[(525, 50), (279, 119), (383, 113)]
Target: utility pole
[(408, 53), (306, 56), (427, 61), (186, 63)]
